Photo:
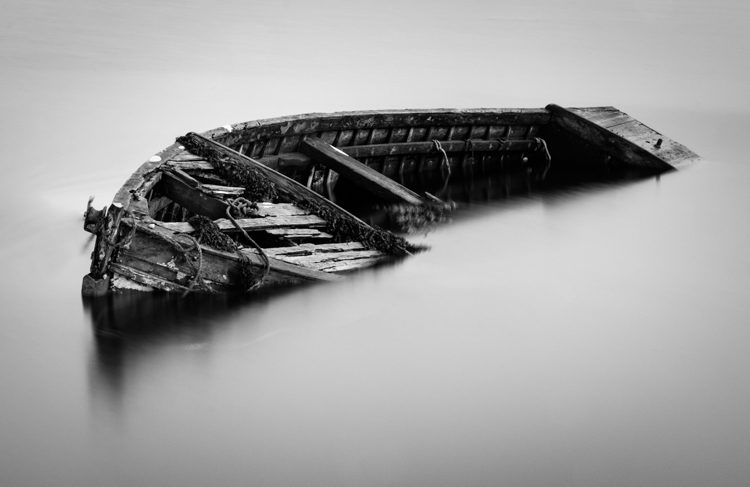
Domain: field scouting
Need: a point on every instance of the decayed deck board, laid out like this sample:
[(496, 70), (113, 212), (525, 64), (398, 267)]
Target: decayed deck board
[(185, 156), (360, 174), (192, 165), (329, 257), (310, 249), (329, 260), (219, 190), (623, 137), (298, 233), (279, 209), (253, 224), (347, 265)]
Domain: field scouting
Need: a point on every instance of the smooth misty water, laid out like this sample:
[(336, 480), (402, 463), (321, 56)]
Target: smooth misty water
[(594, 336)]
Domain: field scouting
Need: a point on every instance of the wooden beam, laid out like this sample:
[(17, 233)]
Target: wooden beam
[(321, 258), (146, 278), (334, 257), (184, 156), (219, 190), (347, 265), (266, 208), (310, 249), (192, 198), (473, 145), (358, 173), (197, 165), (299, 233), (254, 224)]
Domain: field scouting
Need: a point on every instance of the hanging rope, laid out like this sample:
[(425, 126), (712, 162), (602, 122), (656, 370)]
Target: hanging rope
[(543, 145), (123, 241), (239, 205), (470, 148), (243, 207), (192, 244), (445, 168)]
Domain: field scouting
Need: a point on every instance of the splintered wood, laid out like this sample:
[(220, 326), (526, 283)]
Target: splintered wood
[(331, 257)]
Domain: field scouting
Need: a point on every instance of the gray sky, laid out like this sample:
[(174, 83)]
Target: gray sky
[(393, 54)]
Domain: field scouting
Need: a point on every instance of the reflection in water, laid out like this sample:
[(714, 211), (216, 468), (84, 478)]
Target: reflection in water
[(130, 326)]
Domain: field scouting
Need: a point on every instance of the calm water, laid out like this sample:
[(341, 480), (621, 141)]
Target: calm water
[(594, 336)]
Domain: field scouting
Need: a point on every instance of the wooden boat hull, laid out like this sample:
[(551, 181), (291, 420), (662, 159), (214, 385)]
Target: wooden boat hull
[(355, 159)]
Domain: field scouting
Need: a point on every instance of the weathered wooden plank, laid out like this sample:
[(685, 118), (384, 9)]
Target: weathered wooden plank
[(342, 263), (266, 208), (146, 278), (253, 224), (475, 145), (640, 152), (185, 156), (191, 197), (633, 129), (613, 120), (349, 265), (307, 259), (219, 190), (595, 110), (299, 271), (298, 233), (309, 249), (360, 174), (294, 270), (196, 165)]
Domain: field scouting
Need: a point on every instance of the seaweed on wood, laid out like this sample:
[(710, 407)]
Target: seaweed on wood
[(344, 228), (208, 233), (257, 187)]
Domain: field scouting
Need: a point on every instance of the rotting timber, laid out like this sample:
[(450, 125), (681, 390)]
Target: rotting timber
[(283, 201)]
